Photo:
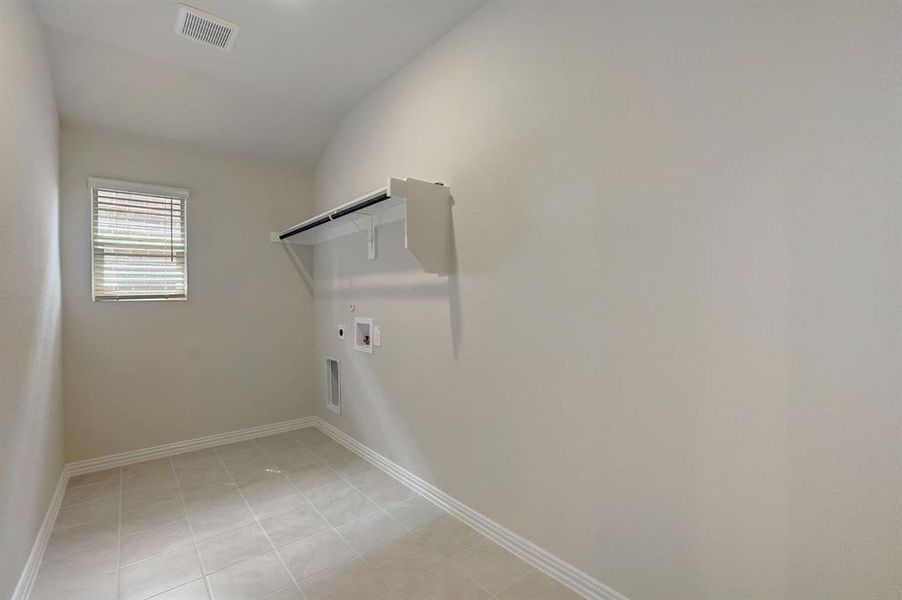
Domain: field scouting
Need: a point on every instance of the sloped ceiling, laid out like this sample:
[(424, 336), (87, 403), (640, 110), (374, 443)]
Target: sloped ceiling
[(297, 67)]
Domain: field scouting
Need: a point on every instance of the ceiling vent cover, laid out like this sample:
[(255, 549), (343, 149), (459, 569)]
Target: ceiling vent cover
[(205, 28)]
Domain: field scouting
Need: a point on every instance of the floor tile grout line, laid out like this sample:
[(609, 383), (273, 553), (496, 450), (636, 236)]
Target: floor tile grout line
[(355, 486), (225, 531), (79, 486), (74, 526), (75, 486), (200, 563), (386, 509), (351, 483), (410, 530), (383, 509), (330, 527), (324, 461), (479, 585), (379, 470), (368, 497), (529, 569), (120, 497), (140, 531), (231, 529), (132, 510), (260, 525), (517, 579), (142, 488), (416, 494), (150, 506), (333, 528), (83, 502), (303, 447), (391, 589)]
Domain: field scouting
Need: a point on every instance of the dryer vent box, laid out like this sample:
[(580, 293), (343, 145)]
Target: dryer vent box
[(333, 386)]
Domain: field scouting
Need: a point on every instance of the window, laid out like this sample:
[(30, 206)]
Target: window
[(140, 241)]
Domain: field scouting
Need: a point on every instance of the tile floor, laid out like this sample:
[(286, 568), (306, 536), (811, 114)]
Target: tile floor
[(285, 517)]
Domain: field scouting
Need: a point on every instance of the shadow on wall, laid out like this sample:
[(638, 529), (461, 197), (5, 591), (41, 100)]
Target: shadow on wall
[(454, 306), (375, 407), (394, 274)]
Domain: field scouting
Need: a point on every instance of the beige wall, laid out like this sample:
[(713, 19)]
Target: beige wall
[(31, 411), (671, 351), (236, 354)]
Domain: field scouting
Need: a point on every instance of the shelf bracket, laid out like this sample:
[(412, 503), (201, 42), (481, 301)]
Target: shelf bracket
[(369, 226), (371, 238)]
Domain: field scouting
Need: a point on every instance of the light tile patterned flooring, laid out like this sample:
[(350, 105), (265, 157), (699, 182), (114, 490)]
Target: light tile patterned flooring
[(285, 517)]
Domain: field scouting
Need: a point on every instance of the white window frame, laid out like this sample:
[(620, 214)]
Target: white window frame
[(135, 187)]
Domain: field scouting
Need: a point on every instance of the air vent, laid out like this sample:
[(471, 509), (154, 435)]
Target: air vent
[(205, 28)]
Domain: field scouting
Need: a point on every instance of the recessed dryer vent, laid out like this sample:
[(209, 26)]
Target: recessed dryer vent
[(333, 386)]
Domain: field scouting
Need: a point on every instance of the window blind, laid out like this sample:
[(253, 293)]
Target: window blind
[(140, 244)]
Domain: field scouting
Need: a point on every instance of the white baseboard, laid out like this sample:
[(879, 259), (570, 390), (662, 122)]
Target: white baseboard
[(133, 456), (30, 572), (539, 558)]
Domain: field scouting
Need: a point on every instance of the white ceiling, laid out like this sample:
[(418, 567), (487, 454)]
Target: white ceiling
[(297, 67)]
